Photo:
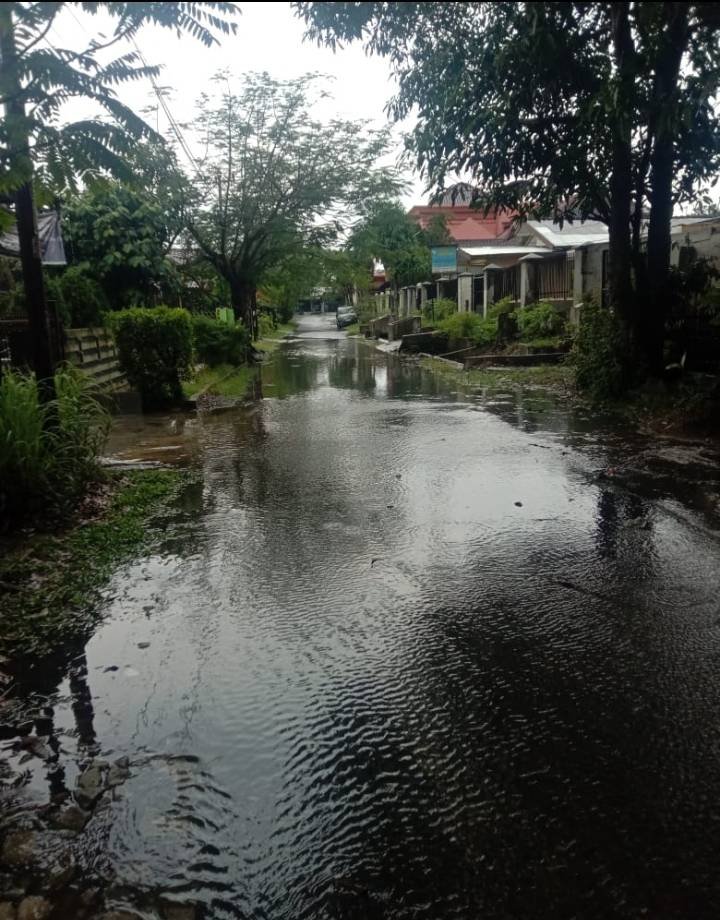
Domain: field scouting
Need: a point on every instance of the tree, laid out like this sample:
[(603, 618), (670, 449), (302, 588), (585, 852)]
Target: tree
[(36, 79), (347, 275), (275, 180), (292, 280), (564, 110), (437, 233), (120, 234), (388, 234)]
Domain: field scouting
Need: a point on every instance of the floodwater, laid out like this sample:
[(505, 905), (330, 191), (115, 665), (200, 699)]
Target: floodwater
[(407, 652)]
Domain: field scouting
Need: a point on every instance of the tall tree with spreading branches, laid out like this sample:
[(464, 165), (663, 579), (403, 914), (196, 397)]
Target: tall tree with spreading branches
[(37, 79), (275, 180), (564, 110)]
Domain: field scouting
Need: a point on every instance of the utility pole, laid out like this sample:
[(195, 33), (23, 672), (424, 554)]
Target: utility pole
[(18, 133)]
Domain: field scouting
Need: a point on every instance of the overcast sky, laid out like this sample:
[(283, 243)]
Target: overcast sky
[(269, 37)]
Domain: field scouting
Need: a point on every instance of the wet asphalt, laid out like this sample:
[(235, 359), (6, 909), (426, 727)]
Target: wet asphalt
[(407, 650)]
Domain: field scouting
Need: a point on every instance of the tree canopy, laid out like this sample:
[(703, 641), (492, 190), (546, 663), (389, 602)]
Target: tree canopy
[(565, 110), (39, 78), (388, 234), (36, 80), (274, 179), (121, 237)]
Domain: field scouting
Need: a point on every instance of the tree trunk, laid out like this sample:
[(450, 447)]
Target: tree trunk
[(621, 184), (662, 163), (25, 214), (255, 323), (242, 295)]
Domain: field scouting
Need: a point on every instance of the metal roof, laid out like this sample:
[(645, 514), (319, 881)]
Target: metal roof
[(587, 232), (476, 251), (678, 222), (570, 235)]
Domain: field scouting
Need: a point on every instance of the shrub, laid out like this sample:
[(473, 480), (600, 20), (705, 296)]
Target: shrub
[(266, 324), (155, 351), (471, 326), (506, 305), (55, 298), (23, 455), (437, 310), (83, 425), (77, 298), (600, 354), (47, 467), (540, 322), (83, 298), (285, 313), (366, 311), (217, 343)]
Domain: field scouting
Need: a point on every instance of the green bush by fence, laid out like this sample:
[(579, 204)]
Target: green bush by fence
[(506, 305), (470, 326), (437, 310), (46, 467), (83, 299), (155, 351), (216, 342), (539, 322)]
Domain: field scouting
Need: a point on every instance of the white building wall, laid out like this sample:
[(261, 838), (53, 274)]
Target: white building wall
[(464, 293), (704, 239)]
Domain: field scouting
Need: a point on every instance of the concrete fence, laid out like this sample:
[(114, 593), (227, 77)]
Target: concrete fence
[(93, 351), (378, 328), (404, 326)]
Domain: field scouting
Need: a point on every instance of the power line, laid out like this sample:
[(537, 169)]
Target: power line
[(175, 127)]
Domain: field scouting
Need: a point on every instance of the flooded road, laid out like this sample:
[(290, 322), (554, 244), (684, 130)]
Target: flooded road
[(407, 652)]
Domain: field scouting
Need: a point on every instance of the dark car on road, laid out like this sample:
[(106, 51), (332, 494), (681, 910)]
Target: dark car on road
[(346, 316)]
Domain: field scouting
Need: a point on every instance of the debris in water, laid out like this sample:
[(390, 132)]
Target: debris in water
[(36, 746), (518, 504)]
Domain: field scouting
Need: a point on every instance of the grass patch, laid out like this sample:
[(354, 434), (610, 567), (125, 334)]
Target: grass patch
[(556, 341), (271, 340), (49, 583), (223, 380), (551, 376), (352, 329)]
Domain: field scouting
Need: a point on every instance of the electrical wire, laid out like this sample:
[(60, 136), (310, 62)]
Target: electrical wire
[(174, 126)]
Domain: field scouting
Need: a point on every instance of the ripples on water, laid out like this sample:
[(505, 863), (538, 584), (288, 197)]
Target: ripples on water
[(377, 687)]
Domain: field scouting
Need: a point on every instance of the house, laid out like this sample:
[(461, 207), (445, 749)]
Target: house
[(545, 261), (468, 228)]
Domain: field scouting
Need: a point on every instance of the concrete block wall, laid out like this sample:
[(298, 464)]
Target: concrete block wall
[(93, 351)]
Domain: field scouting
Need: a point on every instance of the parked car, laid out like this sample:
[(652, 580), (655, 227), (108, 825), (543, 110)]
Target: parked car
[(346, 316)]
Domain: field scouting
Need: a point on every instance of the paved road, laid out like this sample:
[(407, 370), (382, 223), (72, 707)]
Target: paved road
[(411, 655)]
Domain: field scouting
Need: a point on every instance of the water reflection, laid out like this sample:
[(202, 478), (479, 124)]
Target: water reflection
[(618, 515), (404, 652), (289, 375)]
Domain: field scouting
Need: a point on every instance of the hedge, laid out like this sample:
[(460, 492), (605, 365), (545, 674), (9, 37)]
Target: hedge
[(217, 343), (155, 351)]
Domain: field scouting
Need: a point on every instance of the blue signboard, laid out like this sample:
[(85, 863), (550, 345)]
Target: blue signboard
[(444, 259)]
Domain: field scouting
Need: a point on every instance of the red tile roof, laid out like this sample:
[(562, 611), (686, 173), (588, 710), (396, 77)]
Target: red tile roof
[(466, 224)]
